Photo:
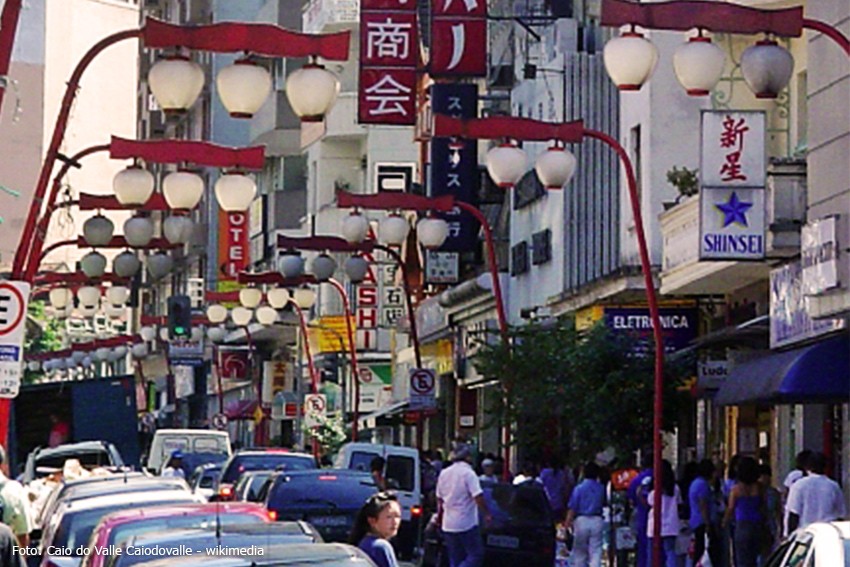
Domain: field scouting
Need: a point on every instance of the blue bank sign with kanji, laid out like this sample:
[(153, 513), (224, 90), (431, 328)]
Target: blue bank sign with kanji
[(454, 164)]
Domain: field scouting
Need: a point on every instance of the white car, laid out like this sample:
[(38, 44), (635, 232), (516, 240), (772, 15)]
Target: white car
[(822, 544)]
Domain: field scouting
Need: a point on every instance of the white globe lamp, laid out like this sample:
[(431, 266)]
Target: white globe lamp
[(767, 68), (506, 165), (243, 88), (133, 186), (291, 265), (102, 354), (59, 297), (304, 297), (393, 230), (699, 65), (250, 297), (241, 316), (630, 60), (355, 228), (216, 334), (235, 192), (432, 232), (87, 310), (266, 315), (178, 229), (93, 264), (117, 295), (216, 314), (312, 91), (278, 297), (88, 295), (555, 167), (159, 265), (126, 264), (175, 83), (356, 268), (139, 350), (114, 311), (148, 333), (98, 230), (323, 267), (138, 231), (182, 189)]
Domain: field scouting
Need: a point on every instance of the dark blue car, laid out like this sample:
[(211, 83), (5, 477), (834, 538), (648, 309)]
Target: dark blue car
[(328, 498)]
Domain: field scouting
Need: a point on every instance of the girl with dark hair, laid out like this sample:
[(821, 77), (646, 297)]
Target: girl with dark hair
[(670, 499), (747, 506), (377, 522)]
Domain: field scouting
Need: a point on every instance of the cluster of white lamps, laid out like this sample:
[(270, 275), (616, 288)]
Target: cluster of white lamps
[(630, 60), (79, 359), (393, 230), (89, 301), (251, 308)]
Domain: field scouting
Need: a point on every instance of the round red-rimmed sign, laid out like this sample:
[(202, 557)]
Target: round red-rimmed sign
[(422, 382), (16, 306)]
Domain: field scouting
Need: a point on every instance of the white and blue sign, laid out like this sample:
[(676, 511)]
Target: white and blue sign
[(679, 325), (732, 178), (454, 164), (14, 298), (732, 224)]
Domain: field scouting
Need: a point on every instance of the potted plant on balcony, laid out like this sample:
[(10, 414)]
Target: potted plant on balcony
[(685, 180)]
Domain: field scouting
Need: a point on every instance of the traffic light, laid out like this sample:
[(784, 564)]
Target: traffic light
[(179, 316)]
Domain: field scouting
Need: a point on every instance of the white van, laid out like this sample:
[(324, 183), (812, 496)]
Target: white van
[(403, 476), (166, 441)]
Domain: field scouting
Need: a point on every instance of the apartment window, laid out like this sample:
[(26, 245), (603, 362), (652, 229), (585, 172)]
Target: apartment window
[(519, 258)]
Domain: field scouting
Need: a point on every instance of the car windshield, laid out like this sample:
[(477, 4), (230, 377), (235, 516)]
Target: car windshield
[(517, 505), (321, 492), (88, 459), (208, 478), (205, 521), (76, 527), (267, 461)]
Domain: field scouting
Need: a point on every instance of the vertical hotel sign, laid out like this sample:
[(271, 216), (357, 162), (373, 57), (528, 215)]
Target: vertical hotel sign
[(233, 244), (458, 38), (732, 179), (389, 52)]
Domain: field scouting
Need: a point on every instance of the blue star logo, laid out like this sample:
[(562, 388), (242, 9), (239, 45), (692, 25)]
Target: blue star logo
[(734, 210)]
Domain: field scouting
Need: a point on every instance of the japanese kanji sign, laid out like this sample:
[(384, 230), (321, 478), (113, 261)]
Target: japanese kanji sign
[(459, 38), (389, 51), (732, 175), (14, 297), (454, 164)]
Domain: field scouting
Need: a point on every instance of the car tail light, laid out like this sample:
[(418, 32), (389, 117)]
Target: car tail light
[(225, 492), (416, 511), (327, 477), (273, 515)]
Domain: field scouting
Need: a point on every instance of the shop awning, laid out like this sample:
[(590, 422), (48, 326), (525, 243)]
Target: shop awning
[(388, 410), (816, 373)]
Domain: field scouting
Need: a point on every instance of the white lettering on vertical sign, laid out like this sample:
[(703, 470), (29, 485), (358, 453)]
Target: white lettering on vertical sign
[(366, 316), (388, 39), (390, 96)]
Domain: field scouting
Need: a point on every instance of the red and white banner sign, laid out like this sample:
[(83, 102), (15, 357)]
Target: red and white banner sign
[(389, 50), (233, 244), (459, 38)]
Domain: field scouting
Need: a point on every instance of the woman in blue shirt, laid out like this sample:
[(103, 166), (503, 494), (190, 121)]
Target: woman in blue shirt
[(377, 522)]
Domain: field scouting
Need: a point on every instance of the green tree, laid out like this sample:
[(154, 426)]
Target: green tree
[(577, 393), (44, 334)]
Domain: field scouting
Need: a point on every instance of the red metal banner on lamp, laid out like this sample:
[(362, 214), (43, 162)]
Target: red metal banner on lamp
[(187, 151), (261, 39)]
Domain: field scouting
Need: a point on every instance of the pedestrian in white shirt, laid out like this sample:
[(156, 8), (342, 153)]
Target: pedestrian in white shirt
[(815, 497), (799, 471), (459, 500), (670, 525)]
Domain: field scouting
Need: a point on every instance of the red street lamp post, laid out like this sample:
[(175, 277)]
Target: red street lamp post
[(263, 39), (766, 74)]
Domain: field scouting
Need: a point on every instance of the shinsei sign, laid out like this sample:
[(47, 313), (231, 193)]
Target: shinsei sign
[(732, 178)]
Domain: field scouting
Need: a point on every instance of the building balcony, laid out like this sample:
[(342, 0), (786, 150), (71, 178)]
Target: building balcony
[(682, 272), (326, 16)]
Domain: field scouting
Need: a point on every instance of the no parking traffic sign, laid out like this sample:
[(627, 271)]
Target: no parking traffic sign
[(315, 408), (423, 383), (14, 297)]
